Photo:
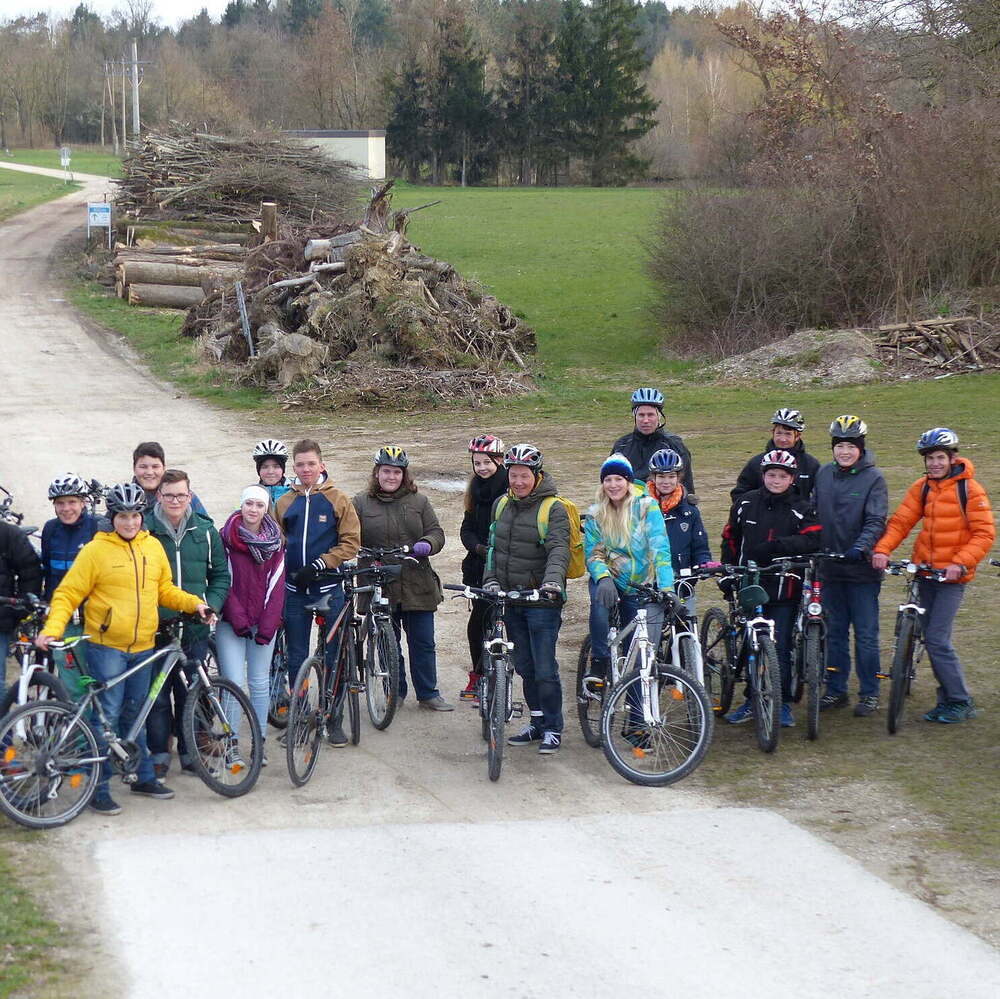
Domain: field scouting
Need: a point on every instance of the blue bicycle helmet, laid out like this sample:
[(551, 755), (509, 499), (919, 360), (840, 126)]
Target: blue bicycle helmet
[(647, 397), (666, 460), (938, 439)]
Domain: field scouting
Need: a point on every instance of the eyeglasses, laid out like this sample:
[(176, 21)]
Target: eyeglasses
[(174, 497)]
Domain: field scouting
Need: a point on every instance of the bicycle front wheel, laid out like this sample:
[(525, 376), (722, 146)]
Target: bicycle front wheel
[(49, 764), (902, 672), (815, 667), (767, 695), (277, 696), (589, 697), (718, 659), (497, 718), (652, 752), (382, 674), (306, 720), (223, 736), (42, 686)]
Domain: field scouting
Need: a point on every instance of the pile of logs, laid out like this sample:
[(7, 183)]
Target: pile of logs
[(951, 344)]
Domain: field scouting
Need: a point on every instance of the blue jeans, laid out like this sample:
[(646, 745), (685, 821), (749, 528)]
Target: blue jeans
[(628, 607), (419, 628), (165, 718), (941, 602), (248, 665), (534, 632), (846, 605), (121, 703)]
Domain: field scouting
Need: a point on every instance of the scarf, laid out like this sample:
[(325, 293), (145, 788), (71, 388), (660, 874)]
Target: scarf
[(668, 502), (261, 546)]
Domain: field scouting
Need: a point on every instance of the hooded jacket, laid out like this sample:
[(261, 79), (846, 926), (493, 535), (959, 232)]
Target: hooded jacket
[(60, 544), (948, 535), (475, 531), (685, 530), (517, 557), (256, 596), (764, 525), (197, 562), (805, 475), (639, 448), (123, 583), (852, 504), (20, 571)]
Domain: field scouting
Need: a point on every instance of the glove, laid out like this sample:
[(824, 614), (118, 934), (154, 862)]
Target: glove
[(692, 499), (421, 549), (482, 551), (710, 565), (492, 586), (606, 593), (551, 591), (306, 576), (854, 554)]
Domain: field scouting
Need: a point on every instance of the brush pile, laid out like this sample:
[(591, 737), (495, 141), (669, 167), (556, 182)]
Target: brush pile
[(361, 317), (945, 344)]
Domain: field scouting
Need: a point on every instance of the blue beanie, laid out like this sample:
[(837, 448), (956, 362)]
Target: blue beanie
[(617, 464)]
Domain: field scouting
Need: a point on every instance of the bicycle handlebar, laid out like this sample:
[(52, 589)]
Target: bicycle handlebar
[(495, 596), (925, 569)]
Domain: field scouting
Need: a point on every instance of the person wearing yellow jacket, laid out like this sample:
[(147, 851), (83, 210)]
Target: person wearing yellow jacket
[(124, 577)]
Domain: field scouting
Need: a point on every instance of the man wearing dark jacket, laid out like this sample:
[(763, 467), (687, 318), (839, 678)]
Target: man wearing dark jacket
[(786, 435), (20, 573), (649, 436), (853, 504), (765, 524)]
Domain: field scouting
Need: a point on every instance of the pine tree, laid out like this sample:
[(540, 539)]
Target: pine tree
[(301, 14), (406, 133)]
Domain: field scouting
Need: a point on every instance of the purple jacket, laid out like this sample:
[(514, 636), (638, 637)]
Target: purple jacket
[(257, 595)]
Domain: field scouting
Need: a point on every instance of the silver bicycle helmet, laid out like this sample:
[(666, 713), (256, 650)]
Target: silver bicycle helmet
[(126, 497), (67, 485)]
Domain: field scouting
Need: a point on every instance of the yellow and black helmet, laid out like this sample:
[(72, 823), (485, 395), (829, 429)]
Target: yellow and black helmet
[(392, 455), (848, 428)]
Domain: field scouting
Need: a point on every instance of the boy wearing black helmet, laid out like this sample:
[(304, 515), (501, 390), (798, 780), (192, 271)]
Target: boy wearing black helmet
[(649, 436), (786, 435)]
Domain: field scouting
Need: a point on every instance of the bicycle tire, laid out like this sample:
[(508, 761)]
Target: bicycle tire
[(353, 684), (381, 675), (54, 688), (304, 736), (498, 719), (589, 707), (484, 700), (718, 659), (902, 672), (767, 696), (223, 736), (814, 669), (798, 677), (656, 757), (277, 690), (46, 750)]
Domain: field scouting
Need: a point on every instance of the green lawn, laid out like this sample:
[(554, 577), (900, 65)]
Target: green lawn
[(84, 159), (21, 191)]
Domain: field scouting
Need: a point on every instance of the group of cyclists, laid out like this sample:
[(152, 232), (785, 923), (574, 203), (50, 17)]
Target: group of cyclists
[(156, 553)]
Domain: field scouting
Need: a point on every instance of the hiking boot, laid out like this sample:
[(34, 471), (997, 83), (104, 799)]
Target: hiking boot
[(436, 704), (935, 712), (104, 805), (741, 715), (866, 706), (527, 735), (787, 718), (550, 744), (830, 700), (152, 789), (956, 711), (335, 736)]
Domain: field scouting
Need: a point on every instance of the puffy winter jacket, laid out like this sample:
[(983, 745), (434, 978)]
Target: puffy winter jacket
[(123, 583), (20, 571), (475, 532), (60, 544), (639, 448), (805, 476), (197, 562), (764, 525), (948, 535), (389, 520), (256, 596), (852, 504), (517, 557), (320, 522), (685, 529), (645, 557)]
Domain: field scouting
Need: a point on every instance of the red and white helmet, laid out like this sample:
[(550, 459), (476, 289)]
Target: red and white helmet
[(779, 459), (524, 454), (487, 444)]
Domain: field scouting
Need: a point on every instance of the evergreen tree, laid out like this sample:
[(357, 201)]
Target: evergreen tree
[(235, 13), (406, 133), (301, 14)]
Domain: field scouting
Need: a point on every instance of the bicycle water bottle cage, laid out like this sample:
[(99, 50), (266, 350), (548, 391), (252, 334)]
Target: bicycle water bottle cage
[(751, 597)]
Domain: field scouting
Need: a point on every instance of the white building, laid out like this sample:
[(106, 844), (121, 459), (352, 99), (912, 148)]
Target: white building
[(365, 148)]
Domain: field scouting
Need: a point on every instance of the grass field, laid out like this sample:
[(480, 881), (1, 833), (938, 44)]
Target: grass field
[(21, 191), (83, 159)]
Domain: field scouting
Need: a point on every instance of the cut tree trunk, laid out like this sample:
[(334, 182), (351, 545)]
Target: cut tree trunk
[(142, 272), (164, 296)]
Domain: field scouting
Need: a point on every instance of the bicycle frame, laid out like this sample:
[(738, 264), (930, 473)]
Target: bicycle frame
[(640, 648), (681, 626)]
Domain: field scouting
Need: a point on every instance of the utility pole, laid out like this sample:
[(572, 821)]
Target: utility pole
[(104, 102), (110, 93), (135, 89), (124, 126)]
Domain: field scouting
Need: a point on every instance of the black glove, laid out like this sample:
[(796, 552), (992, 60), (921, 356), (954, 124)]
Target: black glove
[(306, 576), (482, 551), (854, 554), (606, 593)]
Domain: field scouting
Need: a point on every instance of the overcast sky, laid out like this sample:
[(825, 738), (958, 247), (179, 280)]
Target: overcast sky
[(169, 13)]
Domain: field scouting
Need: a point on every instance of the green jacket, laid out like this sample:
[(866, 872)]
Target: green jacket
[(517, 559), (198, 562), (389, 520)]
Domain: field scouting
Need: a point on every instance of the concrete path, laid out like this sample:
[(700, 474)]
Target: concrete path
[(82, 178)]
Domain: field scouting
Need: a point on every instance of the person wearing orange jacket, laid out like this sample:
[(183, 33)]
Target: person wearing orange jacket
[(957, 533)]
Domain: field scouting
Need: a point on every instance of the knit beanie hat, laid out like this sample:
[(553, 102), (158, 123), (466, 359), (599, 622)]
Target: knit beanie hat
[(255, 492), (617, 464)]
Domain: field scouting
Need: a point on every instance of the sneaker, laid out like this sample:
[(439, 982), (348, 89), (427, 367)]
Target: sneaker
[(436, 704), (550, 744), (830, 700), (935, 712), (787, 718), (956, 711), (104, 805), (741, 715), (866, 706), (152, 789), (527, 735), (188, 768), (335, 736), (160, 771)]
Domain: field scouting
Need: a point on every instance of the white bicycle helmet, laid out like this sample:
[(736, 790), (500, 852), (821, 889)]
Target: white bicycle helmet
[(524, 454), (790, 418), (67, 485)]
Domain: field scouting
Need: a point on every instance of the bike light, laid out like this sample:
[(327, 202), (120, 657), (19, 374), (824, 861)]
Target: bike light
[(815, 609)]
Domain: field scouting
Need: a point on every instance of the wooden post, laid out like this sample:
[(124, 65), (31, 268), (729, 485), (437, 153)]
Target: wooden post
[(269, 220)]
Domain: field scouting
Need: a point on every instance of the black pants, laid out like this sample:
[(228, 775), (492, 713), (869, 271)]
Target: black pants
[(476, 629)]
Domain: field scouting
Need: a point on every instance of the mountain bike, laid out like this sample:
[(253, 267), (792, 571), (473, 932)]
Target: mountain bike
[(739, 645), (496, 681), (95, 495), (908, 644), (657, 720), (37, 680), (380, 664), (277, 696), (50, 762), (9, 516)]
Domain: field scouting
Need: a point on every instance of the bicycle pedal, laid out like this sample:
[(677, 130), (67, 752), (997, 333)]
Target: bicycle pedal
[(517, 710), (357, 688), (883, 676)]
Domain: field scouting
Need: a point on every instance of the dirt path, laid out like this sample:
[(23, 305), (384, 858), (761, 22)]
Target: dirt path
[(399, 826)]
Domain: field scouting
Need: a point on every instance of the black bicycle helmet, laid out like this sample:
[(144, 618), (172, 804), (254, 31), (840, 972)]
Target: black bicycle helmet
[(848, 428)]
